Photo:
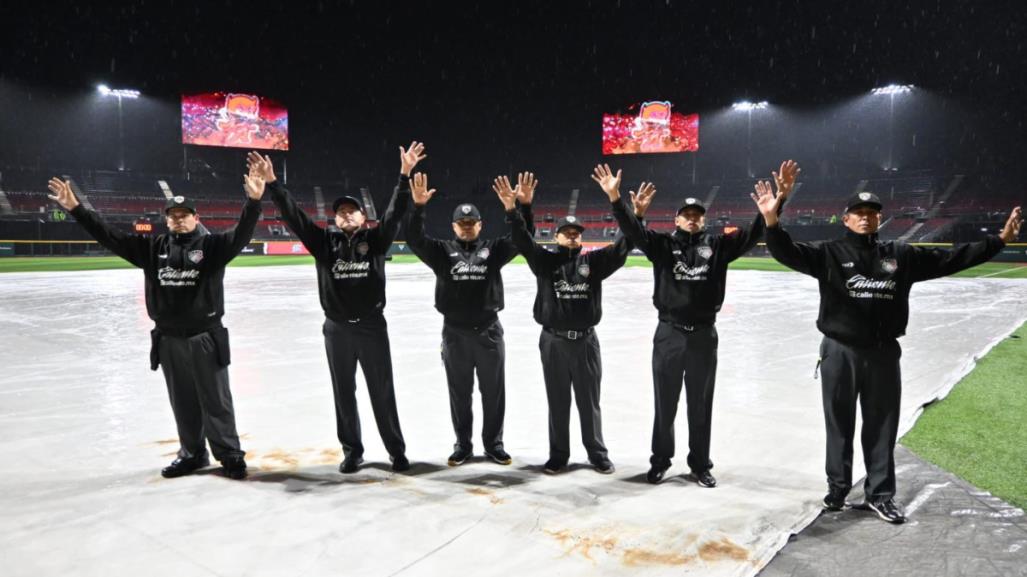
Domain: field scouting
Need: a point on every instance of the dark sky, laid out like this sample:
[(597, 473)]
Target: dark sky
[(494, 86)]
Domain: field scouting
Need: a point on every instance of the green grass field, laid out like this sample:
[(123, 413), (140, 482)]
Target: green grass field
[(977, 431), (60, 263)]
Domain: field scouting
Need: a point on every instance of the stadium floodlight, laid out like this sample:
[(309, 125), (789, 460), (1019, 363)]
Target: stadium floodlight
[(746, 106), (893, 89), (119, 93)]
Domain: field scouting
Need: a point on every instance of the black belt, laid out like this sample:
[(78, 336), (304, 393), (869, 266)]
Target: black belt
[(571, 335)]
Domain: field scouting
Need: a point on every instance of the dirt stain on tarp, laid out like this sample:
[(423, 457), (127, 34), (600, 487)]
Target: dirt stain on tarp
[(485, 493), (166, 442), (636, 557), (582, 544), (329, 456), (280, 457), (723, 549)]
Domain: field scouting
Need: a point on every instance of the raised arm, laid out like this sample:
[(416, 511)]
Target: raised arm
[(630, 224), (388, 226), (803, 257), (132, 247), (428, 249), (226, 245), (312, 236), (928, 263), (521, 238), (743, 241)]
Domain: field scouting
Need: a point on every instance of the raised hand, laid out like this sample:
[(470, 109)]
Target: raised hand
[(640, 201), (766, 202), (605, 178), (507, 195), (409, 157), (1011, 231), (260, 166), (526, 184), (254, 185), (419, 189), (62, 193), (785, 179)]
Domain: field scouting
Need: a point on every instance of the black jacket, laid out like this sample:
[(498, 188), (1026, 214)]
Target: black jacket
[(570, 284), (468, 284), (689, 270), (184, 272), (864, 283), (350, 268)]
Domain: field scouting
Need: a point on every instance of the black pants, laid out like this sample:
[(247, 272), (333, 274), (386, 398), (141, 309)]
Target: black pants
[(692, 354), (200, 397), (366, 342), (481, 350), (872, 375), (576, 364)]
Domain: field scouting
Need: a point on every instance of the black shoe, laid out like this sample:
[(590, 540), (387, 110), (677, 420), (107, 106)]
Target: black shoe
[(554, 466), (499, 455), (180, 466), (400, 463), (351, 464), (656, 472), (704, 479), (459, 456), (603, 465), (835, 499), (235, 468), (888, 510)]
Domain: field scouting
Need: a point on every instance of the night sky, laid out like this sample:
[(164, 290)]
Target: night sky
[(498, 87)]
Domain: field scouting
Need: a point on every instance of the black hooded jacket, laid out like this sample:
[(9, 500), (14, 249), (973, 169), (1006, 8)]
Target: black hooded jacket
[(184, 272), (865, 283)]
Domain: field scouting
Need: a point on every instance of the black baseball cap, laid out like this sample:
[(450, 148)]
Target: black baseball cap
[(466, 211), (179, 202), (346, 200), (692, 203), (863, 199), (570, 221)]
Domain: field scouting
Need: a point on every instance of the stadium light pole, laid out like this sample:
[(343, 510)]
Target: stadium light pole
[(890, 91), (747, 107), (119, 93)]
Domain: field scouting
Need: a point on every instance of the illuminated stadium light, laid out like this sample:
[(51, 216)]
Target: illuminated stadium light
[(892, 89), (746, 106), (105, 90)]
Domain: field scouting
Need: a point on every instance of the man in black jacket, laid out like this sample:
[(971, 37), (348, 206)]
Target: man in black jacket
[(690, 274), (184, 271), (568, 305), (469, 294), (864, 308), (350, 265)]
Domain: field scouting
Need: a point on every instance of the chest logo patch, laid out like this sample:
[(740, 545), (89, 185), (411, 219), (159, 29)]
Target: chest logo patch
[(362, 248), (195, 256), (584, 270), (704, 252), (484, 253), (889, 265)]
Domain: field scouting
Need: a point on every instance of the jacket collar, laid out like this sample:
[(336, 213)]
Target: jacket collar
[(688, 237), (860, 240)]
